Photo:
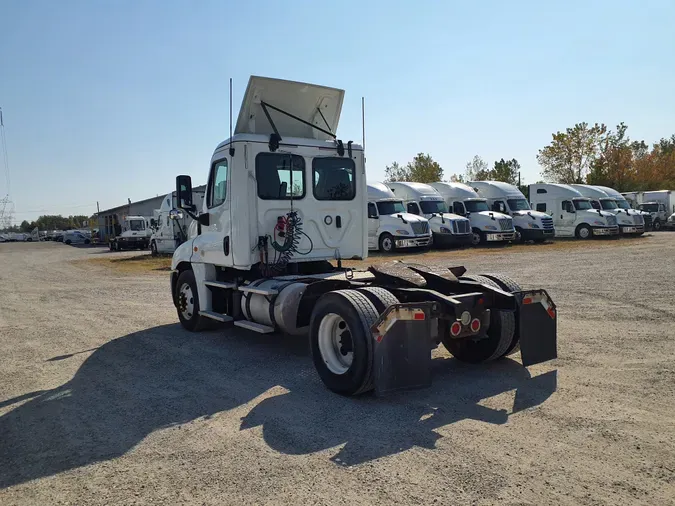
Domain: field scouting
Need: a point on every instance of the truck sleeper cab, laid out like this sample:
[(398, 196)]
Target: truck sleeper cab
[(300, 198), (630, 222), (448, 229), (573, 214), (486, 226), (507, 199), (390, 227)]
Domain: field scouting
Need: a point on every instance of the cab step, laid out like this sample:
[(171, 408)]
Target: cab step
[(255, 327), (220, 284), (259, 291), (216, 316)]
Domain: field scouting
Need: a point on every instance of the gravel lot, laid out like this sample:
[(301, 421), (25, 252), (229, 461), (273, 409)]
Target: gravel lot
[(104, 399)]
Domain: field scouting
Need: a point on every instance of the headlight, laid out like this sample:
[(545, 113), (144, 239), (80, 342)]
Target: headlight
[(533, 225), (445, 230), (402, 232), (490, 227), (671, 218), (601, 223)]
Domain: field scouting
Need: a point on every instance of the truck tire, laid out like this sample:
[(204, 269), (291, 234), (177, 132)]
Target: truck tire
[(341, 342), (187, 300), (111, 246), (657, 225), (386, 243), (494, 345), (584, 232), (380, 297), (68, 241), (508, 285), (477, 237), (519, 236), (153, 248)]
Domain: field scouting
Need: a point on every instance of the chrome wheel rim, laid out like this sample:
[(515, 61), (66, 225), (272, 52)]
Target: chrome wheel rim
[(335, 344), (584, 233), (186, 301), (387, 244)]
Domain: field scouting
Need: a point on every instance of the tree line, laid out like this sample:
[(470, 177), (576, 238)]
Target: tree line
[(51, 222), (590, 154)]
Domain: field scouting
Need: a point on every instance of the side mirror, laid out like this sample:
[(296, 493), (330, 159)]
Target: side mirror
[(184, 192), (204, 219), (153, 223), (175, 214)]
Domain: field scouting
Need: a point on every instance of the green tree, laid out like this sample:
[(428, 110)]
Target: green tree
[(422, 169), (457, 178), (506, 171), (396, 172), (477, 170), (25, 226), (570, 155)]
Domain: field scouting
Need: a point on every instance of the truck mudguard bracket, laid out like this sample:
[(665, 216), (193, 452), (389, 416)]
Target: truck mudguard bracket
[(402, 338), (538, 326)]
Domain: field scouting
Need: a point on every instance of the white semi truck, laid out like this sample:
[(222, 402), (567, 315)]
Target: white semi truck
[(448, 229), (390, 227), (486, 226), (573, 214), (630, 222), (508, 199), (660, 204), (171, 228), (284, 198), (133, 232), (624, 204)]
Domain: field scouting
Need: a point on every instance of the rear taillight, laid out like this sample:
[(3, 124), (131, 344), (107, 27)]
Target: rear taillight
[(455, 329), (475, 325)]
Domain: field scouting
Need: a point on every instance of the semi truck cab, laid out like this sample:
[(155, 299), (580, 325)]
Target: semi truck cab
[(629, 222)]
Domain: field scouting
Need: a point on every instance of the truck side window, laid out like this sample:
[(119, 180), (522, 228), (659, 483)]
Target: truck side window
[(280, 176), (541, 190), (541, 208), (413, 208), (218, 184), (567, 206), (334, 178), (372, 210), (499, 206), (458, 208)]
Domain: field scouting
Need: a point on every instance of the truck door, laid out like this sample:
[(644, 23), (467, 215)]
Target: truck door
[(567, 218), (373, 224), (214, 242)]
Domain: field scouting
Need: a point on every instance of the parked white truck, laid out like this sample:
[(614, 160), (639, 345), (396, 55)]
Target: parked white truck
[(284, 198), (660, 204), (573, 214), (390, 227), (448, 229), (624, 204), (486, 226), (132, 233), (630, 222), (505, 198), (171, 228)]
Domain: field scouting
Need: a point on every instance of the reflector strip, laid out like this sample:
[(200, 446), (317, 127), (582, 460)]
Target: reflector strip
[(419, 315), (527, 300)]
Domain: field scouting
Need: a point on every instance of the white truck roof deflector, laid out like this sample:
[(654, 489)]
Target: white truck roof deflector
[(318, 105)]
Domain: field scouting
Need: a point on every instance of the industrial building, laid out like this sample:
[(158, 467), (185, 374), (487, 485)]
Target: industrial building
[(108, 218)]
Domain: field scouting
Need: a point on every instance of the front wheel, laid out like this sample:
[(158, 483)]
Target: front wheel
[(153, 248), (584, 232), (657, 225), (187, 302), (340, 341), (68, 241), (519, 235), (387, 244), (477, 237)]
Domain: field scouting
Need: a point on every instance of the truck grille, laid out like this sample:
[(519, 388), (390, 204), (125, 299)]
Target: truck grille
[(611, 221), (547, 223), (505, 224), (638, 220), (461, 226), (420, 227)]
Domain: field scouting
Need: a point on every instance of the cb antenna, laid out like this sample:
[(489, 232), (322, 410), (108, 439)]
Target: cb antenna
[(363, 121), (231, 145)]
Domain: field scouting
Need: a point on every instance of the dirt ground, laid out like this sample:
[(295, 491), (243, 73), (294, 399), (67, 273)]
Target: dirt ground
[(104, 399)]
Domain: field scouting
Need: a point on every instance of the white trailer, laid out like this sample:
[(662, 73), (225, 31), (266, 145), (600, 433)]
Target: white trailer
[(630, 222), (508, 199), (486, 226), (286, 201), (390, 227), (573, 214), (448, 229), (623, 203)]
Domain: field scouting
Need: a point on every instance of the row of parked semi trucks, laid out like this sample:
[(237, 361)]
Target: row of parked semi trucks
[(416, 215)]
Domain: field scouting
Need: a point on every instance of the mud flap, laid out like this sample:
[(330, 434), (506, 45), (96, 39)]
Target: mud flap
[(402, 338), (538, 327)]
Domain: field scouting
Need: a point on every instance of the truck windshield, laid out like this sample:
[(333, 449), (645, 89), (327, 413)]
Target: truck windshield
[(608, 204), (622, 204), (595, 204), (390, 207), (518, 205), (433, 206), (136, 225), (650, 208), (582, 205), (475, 206)]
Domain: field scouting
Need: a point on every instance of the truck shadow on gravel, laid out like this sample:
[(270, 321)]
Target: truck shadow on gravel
[(165, 376)]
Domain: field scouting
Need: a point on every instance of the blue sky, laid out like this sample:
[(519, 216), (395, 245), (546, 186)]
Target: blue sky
[(109, 100)]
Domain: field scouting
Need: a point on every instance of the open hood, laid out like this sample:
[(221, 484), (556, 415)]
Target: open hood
[(301, 100)]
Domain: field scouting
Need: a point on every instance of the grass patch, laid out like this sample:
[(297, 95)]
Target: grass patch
[(137, 264)]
